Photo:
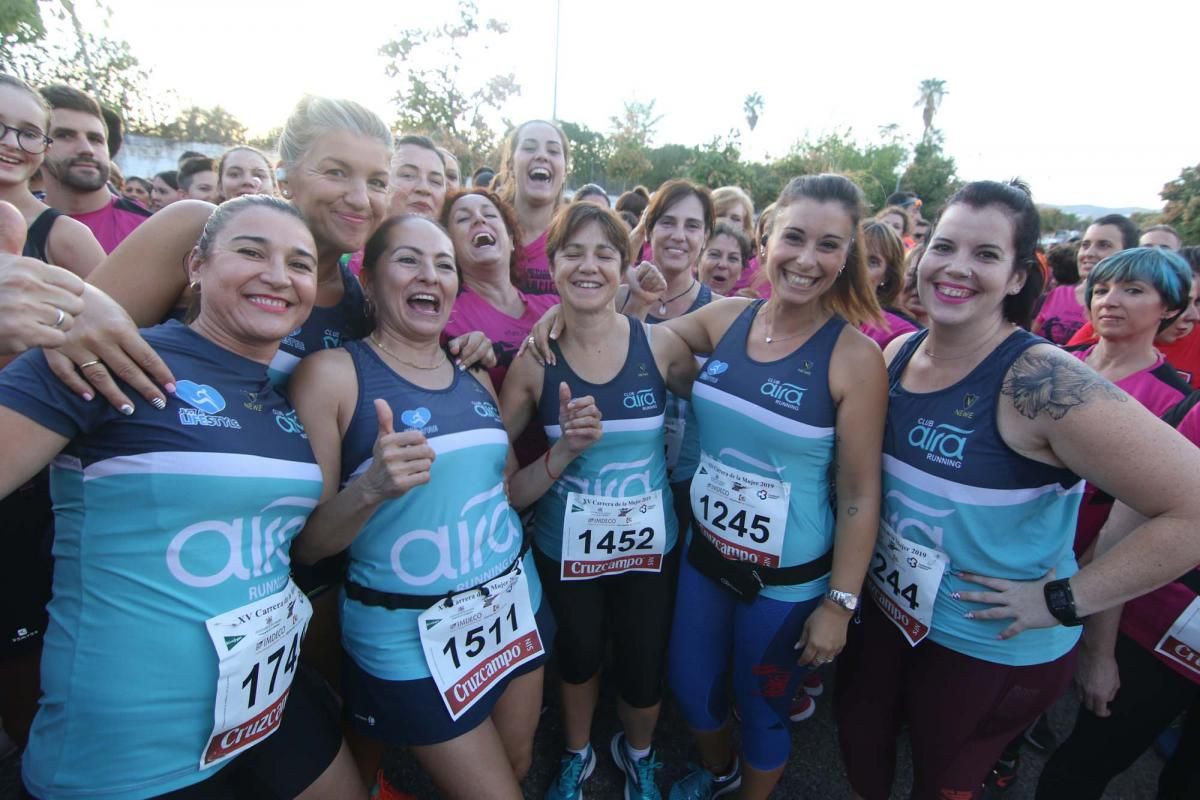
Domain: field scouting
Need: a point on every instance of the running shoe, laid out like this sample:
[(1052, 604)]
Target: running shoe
[(1040, 736), (803, 707), (700, 784), (639, 774), (813, 685), (573, 770), (383, 790), (1003, 775)]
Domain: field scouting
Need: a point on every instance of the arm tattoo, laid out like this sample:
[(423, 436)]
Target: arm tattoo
[(1054, 384)]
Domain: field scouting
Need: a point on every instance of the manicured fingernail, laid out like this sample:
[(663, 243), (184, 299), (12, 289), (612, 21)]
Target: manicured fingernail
[(159, 403), (553, 335), (956, 595), (87, 397), (461, 366), (126, 409), (969, 615), (170, 387)]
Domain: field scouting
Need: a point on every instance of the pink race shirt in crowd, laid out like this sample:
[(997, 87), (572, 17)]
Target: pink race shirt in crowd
[(114, 222), (472, 313), (1061, 316), (1148, 618), (1158, 388), (533, 269), (893, 325)]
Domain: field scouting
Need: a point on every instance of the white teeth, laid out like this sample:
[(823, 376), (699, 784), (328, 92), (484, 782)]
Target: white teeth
[(954, 292), (269, 301), (799, 280), (426, 297), (587, 284)]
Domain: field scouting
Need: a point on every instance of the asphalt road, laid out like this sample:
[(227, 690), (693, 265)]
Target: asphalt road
[(814, 772)]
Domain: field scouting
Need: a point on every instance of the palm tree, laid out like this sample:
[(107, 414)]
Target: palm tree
[(932, 91)]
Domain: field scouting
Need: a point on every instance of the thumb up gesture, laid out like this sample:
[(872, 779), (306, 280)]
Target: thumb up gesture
[(399, 461)]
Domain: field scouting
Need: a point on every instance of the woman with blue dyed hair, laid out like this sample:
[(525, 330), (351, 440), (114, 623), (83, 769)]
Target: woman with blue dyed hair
[(1132, 296)]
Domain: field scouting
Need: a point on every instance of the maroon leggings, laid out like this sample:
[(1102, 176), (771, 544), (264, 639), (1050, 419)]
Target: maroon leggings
[(961, 711)]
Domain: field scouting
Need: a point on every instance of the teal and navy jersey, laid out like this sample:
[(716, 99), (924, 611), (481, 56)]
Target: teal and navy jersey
[(629, 459), (326, 327), (449, 535), (164, 519), (776, 419), (950, 482), (681, 464)]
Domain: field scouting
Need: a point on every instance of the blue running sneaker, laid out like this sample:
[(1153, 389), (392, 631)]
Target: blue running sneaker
[(639, 774), (700, 784), (573, 770)]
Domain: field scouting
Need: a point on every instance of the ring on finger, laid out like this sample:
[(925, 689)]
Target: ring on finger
[(62, 317), (91, 363)]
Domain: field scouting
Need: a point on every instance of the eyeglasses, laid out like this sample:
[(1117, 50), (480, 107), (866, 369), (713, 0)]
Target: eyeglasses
[(30, 140)]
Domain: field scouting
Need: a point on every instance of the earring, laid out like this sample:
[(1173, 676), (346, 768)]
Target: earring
[(194, 286), (841, 269)]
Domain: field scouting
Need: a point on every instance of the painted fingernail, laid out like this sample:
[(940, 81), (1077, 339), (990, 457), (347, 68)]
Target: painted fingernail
[(159, 403), (87, 397), (126, 409), (956, 595), (170, 387), (969, 615)]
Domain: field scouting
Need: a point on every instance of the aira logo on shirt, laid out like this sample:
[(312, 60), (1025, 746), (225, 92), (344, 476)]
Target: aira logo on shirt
[(942, 443), (788, 395), (642, 400)]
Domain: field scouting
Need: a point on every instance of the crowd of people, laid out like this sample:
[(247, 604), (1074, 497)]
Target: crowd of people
[(336, 450)]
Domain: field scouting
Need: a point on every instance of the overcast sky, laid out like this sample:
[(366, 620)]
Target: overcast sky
[(1089, 106)]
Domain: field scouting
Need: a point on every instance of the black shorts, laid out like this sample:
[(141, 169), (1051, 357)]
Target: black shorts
[(27, 569), (633, 610)]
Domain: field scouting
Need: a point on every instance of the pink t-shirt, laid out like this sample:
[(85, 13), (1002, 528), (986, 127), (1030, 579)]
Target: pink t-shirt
[(472, 313), (533, 269), (1158, 388), (1061, 315), (747, 275), (894, 325), (114, 222), (1148, 617)]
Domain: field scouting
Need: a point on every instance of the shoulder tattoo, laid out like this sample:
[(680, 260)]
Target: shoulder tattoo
[(1053, 384)]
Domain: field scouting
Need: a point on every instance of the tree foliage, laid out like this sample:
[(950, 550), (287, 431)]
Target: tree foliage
[(632, 132), (1182, 210), (431, 98), (66, 45), (932, 174), (1055, 219), (196, 124), (932, 91), (590, 151), (752, 107)]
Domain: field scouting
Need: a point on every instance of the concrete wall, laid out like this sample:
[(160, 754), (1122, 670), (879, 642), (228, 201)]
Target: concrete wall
[(145, 156)]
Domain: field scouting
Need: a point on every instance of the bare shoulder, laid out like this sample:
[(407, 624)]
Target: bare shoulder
[(325, 372), (856, 364), (1045, 382), (893, 347)]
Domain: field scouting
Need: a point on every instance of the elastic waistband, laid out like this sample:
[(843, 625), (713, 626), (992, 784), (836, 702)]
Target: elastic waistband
[(703, 549)]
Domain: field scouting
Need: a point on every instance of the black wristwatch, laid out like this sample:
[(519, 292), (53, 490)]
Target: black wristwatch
[(1061, 602)]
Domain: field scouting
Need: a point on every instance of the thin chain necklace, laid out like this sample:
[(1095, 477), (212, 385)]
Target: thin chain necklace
[(769, 339), (967, 354), (381, 346), (662, 304)]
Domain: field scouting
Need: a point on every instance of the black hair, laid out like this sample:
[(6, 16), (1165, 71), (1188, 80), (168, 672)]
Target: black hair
[(590, 189), (1129, 232), (1015, 198), (170, 177), (189, 168)]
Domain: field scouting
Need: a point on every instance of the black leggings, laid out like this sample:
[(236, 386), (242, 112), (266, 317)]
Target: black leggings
[(1100, 748), (633, 610)]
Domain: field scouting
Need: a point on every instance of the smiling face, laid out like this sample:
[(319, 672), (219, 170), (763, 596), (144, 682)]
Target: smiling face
[(18, 109), (481, 239), (539, 164), (414, 281), (257, 281), (968, 270), (809, 244), (1099, 242), (78, 159), (678, 236), (587, 269), (418, 182), (1123, 310), (340, 186), (721, 263), (245, 172)]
